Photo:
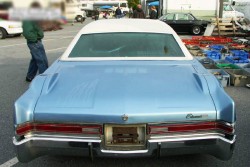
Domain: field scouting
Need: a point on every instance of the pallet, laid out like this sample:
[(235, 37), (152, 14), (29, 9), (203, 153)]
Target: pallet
[(225, 27)]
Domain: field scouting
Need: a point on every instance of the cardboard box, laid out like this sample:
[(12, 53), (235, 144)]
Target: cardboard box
[(238, 77)]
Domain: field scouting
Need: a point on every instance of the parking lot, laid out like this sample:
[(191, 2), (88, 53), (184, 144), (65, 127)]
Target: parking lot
[(14, 60)]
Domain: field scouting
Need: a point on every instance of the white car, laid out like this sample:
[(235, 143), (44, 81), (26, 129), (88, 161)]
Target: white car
[(10, 28)]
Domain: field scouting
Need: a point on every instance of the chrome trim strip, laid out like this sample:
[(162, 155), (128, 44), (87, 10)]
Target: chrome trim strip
[(193, 138), (181, 135), (155, 139), (60, 136), (58, 139), (63, 58), (124, 152)]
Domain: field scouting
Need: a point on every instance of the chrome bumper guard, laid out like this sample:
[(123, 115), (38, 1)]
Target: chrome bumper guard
[(34, 146)]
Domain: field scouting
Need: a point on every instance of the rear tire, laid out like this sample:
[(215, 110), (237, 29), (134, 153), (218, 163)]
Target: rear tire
[(196, 30), (79, 18), (3, 33)]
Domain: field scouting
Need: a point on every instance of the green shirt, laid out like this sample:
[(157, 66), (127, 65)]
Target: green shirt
[(32, 31)]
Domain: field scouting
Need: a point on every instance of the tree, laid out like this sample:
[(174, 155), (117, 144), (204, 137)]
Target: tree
[(133, 3)]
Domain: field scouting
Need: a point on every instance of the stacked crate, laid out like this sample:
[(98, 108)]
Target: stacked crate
[(222, 76), (222, 57)]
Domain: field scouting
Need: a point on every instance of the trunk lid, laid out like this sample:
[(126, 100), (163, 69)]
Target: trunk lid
[(145, 93)]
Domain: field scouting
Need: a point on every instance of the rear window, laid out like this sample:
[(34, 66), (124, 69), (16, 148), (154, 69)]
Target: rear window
[(127, 45)]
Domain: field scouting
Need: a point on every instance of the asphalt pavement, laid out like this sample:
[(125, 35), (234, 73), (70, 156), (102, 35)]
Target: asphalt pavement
[(14, 60)]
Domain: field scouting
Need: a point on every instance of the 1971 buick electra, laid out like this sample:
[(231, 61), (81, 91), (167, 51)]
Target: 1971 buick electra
[(125, 88)]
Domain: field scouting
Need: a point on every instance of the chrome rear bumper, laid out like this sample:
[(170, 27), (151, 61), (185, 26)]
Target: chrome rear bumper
[(35, 146)]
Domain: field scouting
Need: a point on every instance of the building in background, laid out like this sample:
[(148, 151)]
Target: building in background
[(198, 8), (70, 9), (95, 4)]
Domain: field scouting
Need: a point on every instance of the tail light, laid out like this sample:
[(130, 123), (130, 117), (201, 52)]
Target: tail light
[(206, 126), (59, 128), (4, 16)]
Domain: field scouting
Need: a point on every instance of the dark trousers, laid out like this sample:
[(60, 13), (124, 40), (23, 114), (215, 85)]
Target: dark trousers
[(39, 61)]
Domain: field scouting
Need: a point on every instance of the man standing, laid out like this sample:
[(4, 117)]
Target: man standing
[(96, 14), (118, 13), (138, 13), (153, 13), (33, 33), (130, 12)]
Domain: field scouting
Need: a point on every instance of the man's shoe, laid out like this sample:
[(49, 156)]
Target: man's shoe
[(248, 85), (28, 79)]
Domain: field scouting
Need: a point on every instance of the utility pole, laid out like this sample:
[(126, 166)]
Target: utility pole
[(221, 8), (160, 8)]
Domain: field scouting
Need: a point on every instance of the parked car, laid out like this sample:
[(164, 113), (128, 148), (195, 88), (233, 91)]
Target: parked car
[(5, 5), (112, 99), (10, 28), (185, 22), (73, 12)]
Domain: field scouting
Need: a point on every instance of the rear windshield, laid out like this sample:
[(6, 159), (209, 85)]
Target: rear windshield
[(127, 45)]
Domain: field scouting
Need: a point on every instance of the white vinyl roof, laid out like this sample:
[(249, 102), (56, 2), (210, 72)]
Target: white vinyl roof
[(126, 25)]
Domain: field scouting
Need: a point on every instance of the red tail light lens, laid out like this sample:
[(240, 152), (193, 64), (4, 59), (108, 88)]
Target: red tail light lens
[(4, 16), (165, 128), (59, 128)]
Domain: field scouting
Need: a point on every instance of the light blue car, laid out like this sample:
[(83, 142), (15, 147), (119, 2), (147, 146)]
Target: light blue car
[(130, 89)]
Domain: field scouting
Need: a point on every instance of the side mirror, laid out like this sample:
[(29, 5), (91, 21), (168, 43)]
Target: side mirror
[(233, 3)]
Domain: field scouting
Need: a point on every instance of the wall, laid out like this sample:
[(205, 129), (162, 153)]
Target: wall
[(199, 8)]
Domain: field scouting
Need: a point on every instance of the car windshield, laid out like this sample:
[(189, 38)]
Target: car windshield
[(127, 45)]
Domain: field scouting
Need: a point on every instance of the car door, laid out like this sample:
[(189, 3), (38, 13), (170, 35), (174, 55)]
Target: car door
[(183, 22)]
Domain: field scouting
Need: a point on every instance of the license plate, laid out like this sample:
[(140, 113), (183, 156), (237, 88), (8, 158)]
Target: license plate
[(125, 135), (133, 135)]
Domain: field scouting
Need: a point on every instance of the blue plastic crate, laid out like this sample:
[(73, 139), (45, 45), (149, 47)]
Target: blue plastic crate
[(236, 59), (240, 53), (212, 54), (217, 47)]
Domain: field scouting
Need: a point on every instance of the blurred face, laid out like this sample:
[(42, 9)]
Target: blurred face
[(139, 6)]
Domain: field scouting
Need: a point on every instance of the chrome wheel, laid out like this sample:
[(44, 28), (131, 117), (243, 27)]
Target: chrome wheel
[(196, 30), (79, 18)]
